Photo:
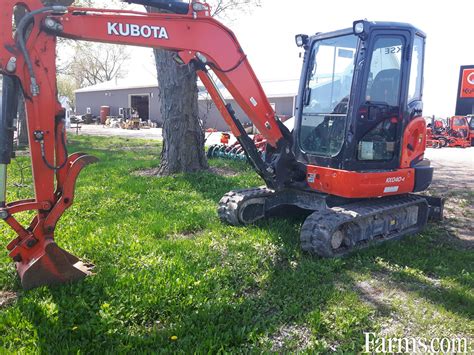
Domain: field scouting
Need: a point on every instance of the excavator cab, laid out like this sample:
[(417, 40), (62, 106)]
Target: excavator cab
[(360, 88), (361, 137)]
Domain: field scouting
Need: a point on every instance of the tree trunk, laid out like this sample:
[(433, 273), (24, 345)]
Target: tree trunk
[(183, 135)]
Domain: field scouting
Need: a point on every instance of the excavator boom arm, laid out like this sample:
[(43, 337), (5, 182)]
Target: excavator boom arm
[(28, 63), (194, 37)]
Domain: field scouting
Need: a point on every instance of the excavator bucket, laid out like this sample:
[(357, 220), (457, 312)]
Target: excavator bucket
[(39, 260), (54, 266)]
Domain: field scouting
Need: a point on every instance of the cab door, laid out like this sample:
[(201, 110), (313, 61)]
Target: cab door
[(382, 104)]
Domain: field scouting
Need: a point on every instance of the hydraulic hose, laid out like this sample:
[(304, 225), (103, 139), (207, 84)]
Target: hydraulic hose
[(43, 154), (21, 40)]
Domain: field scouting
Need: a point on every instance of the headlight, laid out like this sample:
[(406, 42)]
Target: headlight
[(301, 40), (359, 28)]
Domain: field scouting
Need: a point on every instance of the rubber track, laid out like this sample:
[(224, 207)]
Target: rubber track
[(319, 227), (230, 204)]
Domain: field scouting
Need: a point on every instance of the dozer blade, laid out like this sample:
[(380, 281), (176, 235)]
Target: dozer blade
[(54, 266)]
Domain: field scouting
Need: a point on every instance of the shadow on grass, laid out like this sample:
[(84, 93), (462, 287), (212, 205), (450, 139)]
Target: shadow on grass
[(294, 293), (454, 299), (299, 290), (422, 264), (428, 267)]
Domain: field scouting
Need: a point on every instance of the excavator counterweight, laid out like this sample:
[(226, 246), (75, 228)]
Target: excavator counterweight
[(353, 161)]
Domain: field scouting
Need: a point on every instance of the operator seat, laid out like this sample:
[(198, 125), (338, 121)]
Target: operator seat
[(386, 87)]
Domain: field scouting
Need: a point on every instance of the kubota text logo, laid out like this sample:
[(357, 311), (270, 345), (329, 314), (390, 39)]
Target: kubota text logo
[(391, 180), (132, 30)]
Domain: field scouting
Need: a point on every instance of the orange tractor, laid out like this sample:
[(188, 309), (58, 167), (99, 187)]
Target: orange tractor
[(458, 130), (435, 134), (456, 133)]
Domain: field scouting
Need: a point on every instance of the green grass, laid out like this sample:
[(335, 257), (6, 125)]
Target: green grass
[(166, 267)]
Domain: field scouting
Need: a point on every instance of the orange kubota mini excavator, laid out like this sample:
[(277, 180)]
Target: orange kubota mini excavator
[(353, 161)]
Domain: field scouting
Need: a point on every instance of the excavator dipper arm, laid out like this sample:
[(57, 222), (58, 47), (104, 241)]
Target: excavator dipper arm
[(28, 63)]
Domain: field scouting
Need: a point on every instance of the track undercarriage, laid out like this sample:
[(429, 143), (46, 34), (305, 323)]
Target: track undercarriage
[(334, 227)]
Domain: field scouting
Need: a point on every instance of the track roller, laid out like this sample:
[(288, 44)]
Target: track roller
[(338, 231)]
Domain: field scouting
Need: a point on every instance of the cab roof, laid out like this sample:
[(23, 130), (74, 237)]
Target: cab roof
[(370, 26)]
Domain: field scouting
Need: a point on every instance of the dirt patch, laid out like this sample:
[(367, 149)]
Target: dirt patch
[(393, 313), (223, 250), (291, 337), (226, 172), (450, 176), (375, 295), (252, 292), (146, 172), (455, 182), (7, 298), (185, 235), (22, 153), (402, 309)]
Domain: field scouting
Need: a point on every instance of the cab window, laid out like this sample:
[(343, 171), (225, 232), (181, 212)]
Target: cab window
[(416, 71), (459, 122), (383, 84), (327, 93), (383, 93)]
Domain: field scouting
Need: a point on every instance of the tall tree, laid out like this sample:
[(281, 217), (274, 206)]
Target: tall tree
[(183, 134), (94, 63), (67, 87), (228, 9), (89, 63)]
